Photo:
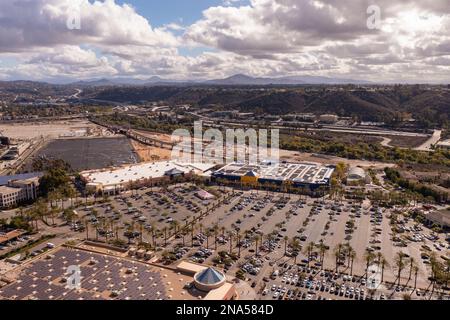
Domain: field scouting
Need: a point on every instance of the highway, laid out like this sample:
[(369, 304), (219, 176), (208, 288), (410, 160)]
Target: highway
[(329, 128), (32, 149)]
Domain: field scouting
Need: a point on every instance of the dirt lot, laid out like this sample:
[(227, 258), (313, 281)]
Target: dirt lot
[(332, 160), (405, 142), (150, 153), (50, 130)]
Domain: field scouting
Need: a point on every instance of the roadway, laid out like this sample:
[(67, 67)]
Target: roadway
[(428, 145)]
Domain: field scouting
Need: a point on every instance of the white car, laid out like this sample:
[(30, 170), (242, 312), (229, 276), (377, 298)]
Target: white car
[(50, 245)]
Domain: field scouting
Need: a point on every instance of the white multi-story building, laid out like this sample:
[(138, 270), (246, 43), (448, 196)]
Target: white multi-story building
[(18, 191)]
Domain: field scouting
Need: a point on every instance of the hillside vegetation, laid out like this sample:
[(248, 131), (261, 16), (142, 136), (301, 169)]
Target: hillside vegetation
[(429, 107)]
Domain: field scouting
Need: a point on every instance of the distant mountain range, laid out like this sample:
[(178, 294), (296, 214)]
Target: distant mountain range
[(238, 79), (241, 79), (124, 81)]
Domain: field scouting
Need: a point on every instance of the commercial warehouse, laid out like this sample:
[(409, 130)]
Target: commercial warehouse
[(310, 176), (113, 180)]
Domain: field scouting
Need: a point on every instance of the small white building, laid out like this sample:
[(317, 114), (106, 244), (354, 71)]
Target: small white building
[(444, 144), (357, 175), (328, 118)]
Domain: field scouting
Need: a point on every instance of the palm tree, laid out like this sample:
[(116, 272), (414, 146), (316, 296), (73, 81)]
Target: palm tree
[(434, 271), (216, 233), (369, 257), (400, 264), (230, 238), (53, 214), (322, 251), (52, 196), (348, 250), (337, 254), (384, 264), (447, 273), (31, 215), (286, 238), (416, 272), (238, 236), (103, 227), (295, 245), (141, 232), (86, 227), (192, 233), (412, 264), (153, 231), (351, 256), (165, 236), (62, 196), (223, 231), (175, 225), (71, 193), (183, 235), (207, 235), (256, 238), (309, 250)]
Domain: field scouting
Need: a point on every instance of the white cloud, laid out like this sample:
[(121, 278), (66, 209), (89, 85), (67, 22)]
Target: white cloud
[(256, 37), (27, 24), (332, 34)]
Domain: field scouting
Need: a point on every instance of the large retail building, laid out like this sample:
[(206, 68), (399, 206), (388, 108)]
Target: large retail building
[(307, 176)]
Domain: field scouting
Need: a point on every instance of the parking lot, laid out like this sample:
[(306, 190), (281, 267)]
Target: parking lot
[(275, 216), (264, 237), (143, 210), (11, 245)]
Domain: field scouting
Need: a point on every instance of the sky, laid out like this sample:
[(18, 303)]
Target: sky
[(376, 40)]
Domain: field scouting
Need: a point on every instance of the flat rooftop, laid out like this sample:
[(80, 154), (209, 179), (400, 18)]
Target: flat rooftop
[(8, 190), (310, 173), (5, 237), (25, 176), (136, 172), (101, 275)]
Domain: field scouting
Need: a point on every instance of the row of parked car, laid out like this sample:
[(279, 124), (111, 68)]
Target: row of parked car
[(14, 243), (253, 266), (327, 284)]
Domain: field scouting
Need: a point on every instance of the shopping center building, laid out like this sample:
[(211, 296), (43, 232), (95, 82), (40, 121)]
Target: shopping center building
[(278, 175)]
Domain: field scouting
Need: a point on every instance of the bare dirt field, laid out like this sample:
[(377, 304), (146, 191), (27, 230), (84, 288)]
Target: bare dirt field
[(150, 153), (301, 156), (49, 130), (404, 141)]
